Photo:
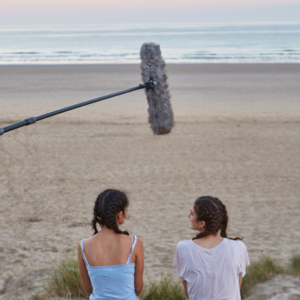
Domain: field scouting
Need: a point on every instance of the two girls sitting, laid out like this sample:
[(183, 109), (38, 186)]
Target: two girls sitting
[(111, 263)]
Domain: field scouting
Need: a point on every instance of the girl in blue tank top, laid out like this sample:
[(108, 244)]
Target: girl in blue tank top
[(111, 263)]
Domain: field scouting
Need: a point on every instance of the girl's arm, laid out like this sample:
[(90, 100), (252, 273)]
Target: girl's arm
[(139, 267), (84, 276), (240, 281), (185, 288)]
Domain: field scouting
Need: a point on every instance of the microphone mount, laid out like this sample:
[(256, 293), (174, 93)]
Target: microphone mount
[(151, 84)]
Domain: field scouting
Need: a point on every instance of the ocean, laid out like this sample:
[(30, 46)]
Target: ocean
[(180, 43)]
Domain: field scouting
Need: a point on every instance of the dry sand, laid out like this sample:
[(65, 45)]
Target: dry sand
[(237, 137)]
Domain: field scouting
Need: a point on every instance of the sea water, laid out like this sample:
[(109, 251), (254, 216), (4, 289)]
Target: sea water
[(180, 43)]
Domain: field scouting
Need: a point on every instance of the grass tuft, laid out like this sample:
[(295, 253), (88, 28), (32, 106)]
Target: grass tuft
[(260, 271), (64, 281), (295, 264), (167, 288)]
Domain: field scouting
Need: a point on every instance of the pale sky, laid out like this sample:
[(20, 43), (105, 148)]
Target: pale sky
[(16, 12)]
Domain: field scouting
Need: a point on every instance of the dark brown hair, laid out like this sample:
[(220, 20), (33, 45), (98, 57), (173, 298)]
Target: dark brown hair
[(107, 205), (213, 212)]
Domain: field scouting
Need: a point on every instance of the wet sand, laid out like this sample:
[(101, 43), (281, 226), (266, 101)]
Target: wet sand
[(237, 137)]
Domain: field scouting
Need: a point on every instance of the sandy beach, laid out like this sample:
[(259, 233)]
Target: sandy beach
[(237, 137)]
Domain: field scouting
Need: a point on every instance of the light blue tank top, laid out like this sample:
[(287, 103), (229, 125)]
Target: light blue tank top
[(112, 282)]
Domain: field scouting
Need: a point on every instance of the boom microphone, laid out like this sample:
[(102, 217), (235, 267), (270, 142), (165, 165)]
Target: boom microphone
[(155, 82), (153, 68)]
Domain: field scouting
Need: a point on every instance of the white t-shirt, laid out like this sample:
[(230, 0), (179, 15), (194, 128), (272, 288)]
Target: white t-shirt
[(212, 274)]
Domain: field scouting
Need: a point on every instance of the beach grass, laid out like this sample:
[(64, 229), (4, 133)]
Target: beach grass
[(295, 264), (64, 280), (260, 271), (166, 288)]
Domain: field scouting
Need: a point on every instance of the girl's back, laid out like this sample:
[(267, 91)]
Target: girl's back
[(111, 276), (212, 273), (211, 266), (108, 250), (111, 263)]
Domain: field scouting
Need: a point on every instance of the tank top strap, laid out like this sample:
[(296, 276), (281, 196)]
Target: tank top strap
[(134, 239), (84, 258)]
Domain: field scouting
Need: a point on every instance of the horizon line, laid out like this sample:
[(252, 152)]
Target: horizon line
[(157, 23)]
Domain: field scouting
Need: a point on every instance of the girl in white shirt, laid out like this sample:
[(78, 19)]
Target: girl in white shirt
[(211, 266)]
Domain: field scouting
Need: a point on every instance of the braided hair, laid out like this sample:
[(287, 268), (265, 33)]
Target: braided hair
[(107, 205), (213, 212)]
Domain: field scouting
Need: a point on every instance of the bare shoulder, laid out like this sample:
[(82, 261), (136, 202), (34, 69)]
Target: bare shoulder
[(139, 244), (139, 241), (80, 247), (86, 241), (80, 243), (127, 239)]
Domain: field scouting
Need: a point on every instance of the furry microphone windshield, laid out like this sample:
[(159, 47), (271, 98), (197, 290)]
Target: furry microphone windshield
[(160, 111), (155, 82)]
